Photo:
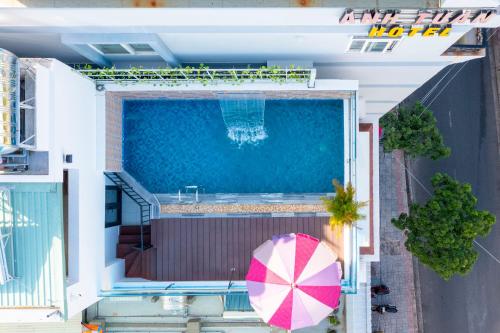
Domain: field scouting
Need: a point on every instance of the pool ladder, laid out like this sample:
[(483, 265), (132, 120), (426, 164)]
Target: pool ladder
[(195, 189)]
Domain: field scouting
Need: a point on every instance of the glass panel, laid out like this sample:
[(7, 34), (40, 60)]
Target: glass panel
[(237, 302), (141, 47), (111, 195), (111, 48), (111, 216), (376, 46), (356, 45), (113, 206)]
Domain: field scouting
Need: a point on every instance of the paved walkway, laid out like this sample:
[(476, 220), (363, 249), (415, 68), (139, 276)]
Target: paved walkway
[(395, 268)]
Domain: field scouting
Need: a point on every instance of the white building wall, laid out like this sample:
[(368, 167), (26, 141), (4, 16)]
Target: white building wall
[(363, 186), (66, 124), (131, 212), (195, 19), (76, 122), (111, 239), (234, 35), (114, 269), (358, 306), (71, 326), (466, 3)]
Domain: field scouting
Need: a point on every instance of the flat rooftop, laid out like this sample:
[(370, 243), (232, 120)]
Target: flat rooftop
[(220, 249), (226, 3)]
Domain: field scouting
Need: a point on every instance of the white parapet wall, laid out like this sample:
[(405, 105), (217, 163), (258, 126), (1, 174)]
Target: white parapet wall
[(363, 186), (76, 119), (332, 85)]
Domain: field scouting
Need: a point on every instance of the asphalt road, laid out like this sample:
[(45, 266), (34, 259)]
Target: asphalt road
[(466, 118)]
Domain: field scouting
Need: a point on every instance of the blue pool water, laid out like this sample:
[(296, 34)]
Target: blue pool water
[(171, 143)]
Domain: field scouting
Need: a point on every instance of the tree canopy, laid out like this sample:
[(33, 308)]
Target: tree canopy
[(414, 130), (441, 232)]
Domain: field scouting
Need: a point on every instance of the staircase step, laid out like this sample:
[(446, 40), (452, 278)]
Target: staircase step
[(134, 229), (149, 264), (130, 259), (135, 269), (134, 239), (123, 249)]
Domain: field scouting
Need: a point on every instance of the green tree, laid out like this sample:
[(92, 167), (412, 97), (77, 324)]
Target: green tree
[(413, 129), (441, 232), (343, 207)]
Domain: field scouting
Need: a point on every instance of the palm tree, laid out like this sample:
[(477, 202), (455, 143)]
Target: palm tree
[(342, 207)]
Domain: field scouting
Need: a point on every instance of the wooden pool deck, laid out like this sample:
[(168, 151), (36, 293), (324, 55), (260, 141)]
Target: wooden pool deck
[(220, 249)]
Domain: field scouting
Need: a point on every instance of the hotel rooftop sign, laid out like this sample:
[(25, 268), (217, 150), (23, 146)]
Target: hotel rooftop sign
[(394, 23)]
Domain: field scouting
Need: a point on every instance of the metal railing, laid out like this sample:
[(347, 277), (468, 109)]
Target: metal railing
[(202, 75), (27, 105), (7, 255), (144, 205)]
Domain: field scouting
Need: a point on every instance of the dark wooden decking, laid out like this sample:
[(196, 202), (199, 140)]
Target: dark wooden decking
[(208, 249)]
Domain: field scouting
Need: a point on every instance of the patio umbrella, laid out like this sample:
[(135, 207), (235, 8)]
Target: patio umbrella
[(293, 281)]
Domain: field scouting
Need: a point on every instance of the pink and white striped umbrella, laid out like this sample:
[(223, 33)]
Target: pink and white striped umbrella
[(294, 281)]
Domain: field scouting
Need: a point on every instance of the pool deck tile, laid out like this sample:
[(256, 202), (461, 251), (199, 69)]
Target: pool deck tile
[(241, 208), (113, 132), (220, 249)]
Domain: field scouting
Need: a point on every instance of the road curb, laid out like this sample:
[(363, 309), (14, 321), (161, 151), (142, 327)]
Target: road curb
[(494, 56), (415, 263)]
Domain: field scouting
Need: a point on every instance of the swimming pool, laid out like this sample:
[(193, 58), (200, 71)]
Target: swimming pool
[(172, 143)]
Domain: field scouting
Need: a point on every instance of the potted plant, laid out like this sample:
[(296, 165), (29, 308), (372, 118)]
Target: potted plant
[(334, 320), (343, 207)]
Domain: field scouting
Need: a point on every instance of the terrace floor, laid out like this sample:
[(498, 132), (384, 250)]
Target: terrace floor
[(220, 249), (32, 214)]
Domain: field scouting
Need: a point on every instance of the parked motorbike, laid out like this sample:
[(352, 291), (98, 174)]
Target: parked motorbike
[(380, 289), (383, 308)]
